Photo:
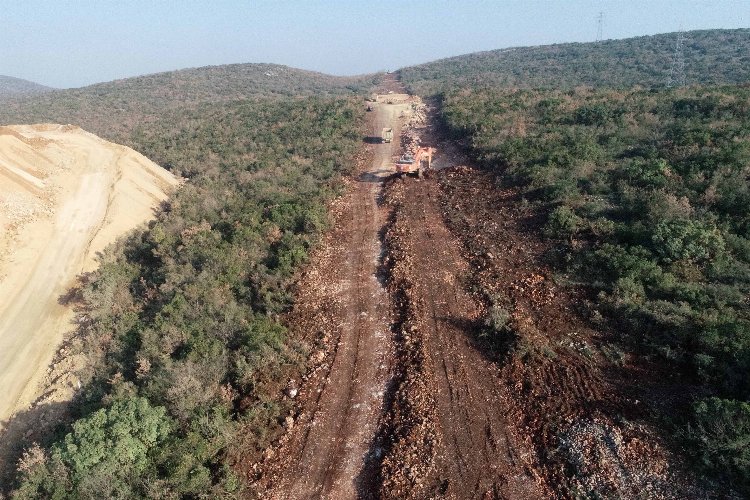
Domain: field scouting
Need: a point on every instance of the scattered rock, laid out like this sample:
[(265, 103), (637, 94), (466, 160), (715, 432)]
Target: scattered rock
[(288, 423)]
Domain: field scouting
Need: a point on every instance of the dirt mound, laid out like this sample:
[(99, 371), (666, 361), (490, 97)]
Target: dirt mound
[(410, 435), (65, 195)]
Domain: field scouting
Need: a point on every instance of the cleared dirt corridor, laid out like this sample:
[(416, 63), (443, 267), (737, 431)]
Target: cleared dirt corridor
[(473, 451), (325, 453), (399, 404)]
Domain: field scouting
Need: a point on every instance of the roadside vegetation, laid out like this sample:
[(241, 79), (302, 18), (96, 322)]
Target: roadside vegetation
[(181, 324), (646, 195), (711, 57)]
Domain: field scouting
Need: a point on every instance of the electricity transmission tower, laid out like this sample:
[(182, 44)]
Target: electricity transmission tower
[(677, 70), (600, 27)]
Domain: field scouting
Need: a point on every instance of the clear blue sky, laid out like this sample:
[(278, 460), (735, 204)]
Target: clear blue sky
[(71, 43)]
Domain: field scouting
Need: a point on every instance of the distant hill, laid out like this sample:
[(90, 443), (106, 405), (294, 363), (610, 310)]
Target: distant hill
[(711, 56), (112, 109), (15, 87)]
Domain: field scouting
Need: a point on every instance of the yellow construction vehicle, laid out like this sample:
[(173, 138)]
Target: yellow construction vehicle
[(416, 163)]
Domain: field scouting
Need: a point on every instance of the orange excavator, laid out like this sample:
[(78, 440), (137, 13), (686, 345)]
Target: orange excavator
[(416, 163)]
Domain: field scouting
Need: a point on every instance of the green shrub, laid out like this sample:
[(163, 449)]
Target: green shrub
[(690, 240), (720, 430), (597, 114), (562, 223), (111, 453)]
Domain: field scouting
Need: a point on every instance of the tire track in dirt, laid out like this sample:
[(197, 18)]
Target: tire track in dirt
[(327, 446), (473, 453)]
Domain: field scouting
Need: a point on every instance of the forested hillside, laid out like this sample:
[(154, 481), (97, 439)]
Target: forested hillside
[(15, 87), (181, 322), (113, 109), (645, 194), (711, 56)]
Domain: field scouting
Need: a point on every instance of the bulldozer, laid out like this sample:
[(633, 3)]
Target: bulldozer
[(415, 164)]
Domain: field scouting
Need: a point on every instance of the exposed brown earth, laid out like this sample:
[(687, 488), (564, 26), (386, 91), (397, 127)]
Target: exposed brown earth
[(412, 393), (440, 431), (471, 449), (343, 312), (568, 398)]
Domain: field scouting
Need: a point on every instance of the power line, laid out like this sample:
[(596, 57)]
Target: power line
[(600, 27), (677, 70)]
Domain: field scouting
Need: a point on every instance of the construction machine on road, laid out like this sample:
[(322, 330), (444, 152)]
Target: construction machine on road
[(387, 134), (416, 163)]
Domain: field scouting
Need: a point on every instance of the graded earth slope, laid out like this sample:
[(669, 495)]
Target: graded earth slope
[(65, 194)]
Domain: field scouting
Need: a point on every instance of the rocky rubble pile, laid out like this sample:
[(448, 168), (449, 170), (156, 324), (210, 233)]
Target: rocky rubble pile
[(411, 424), (608, 459), (410, 133), (19, 210)]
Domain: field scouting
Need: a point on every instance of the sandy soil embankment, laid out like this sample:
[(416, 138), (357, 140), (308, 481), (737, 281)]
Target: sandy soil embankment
[(65, 194)]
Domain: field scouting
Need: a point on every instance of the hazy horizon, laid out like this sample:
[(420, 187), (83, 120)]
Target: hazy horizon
[(73, 44)]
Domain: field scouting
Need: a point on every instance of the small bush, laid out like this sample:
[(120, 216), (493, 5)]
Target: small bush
[(498, 334), (562, 223), (688, 240), (720, 431)]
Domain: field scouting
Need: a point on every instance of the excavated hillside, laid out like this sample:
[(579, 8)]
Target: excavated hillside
[(65, 194)]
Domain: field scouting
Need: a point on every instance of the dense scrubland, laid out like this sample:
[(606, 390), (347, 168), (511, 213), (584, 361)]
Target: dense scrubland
[(181, 323), (711, 56), (644, 190), (646, 195), (114, 109)]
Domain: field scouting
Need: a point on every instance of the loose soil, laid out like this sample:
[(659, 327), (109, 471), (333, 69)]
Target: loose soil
[(463, 445), (399, 402), (567, 396)]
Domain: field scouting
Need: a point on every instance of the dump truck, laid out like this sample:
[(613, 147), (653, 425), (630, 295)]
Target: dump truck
[(387, 135), (411, 164)]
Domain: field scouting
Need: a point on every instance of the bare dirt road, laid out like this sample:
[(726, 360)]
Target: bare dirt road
[(400, 404), (65, 195), (406, 398), (469, 449), (326, 453)]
